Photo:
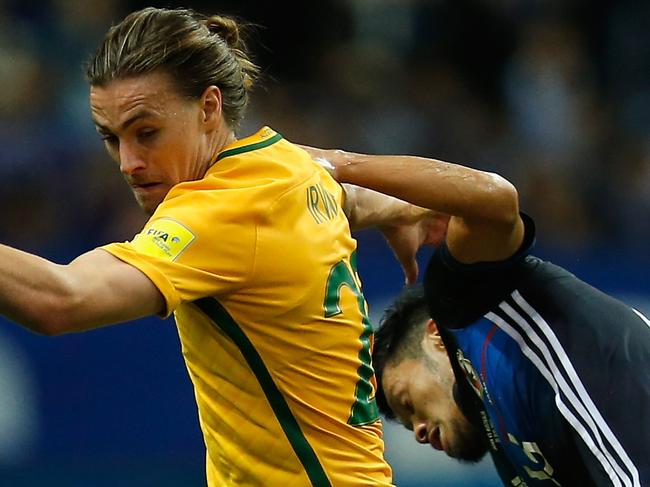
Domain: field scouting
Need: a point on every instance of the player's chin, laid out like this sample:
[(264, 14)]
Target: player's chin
[(148, 202), (468, 444)]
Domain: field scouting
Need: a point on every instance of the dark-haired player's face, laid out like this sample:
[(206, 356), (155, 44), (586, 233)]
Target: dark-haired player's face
[(420, 393), (157, 136)]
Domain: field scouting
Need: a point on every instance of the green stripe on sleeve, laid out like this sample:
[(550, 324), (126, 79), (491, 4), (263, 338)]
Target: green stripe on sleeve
[(217, 313)]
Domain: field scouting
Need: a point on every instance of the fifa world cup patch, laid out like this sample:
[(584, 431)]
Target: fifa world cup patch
[(164, 238)]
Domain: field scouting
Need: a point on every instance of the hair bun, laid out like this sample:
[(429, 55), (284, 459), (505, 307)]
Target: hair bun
[(224, 27)]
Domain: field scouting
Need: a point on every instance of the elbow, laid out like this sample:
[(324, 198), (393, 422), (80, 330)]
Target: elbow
[(44, 329), (505, 200), (54, 318), (350, 206), (48, 328)]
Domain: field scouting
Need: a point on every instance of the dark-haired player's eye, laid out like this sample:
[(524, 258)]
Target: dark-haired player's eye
[(407, 415)]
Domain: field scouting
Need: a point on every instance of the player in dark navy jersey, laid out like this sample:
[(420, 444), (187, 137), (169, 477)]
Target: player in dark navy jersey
[(521, 358)]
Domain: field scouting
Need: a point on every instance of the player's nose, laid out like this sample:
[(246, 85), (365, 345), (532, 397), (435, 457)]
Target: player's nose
[(420, 432), (130, 161)]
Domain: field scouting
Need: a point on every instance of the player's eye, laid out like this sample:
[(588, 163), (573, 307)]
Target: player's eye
[(146, 134), (109, 139), (408, 414)]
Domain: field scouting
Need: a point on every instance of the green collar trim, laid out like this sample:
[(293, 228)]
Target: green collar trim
[(250, 147)]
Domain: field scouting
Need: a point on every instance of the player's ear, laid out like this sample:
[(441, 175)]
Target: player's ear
[(433, 335), (211, 107)]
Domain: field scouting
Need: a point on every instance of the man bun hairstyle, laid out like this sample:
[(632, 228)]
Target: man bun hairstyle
[(231, 32), (195, 50)]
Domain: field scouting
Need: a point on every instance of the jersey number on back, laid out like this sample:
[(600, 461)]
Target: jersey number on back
[(364, 410)]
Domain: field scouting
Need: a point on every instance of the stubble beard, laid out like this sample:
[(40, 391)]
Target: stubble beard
[(469, 445)]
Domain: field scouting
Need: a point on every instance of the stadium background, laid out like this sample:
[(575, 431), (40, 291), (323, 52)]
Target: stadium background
[(555, 95)]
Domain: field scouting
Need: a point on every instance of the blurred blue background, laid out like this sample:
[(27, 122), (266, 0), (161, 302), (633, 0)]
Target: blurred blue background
[(555, 95)]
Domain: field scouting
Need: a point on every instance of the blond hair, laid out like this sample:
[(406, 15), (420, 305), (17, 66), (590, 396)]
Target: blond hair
[(196, 50)]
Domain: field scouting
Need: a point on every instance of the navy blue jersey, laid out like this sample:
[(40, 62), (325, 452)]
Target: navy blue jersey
[(555, 371)]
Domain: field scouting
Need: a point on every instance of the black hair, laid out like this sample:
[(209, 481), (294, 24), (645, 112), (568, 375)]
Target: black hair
[(398, 336)]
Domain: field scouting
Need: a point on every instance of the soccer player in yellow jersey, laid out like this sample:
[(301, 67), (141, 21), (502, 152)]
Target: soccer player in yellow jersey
[(247, 246)]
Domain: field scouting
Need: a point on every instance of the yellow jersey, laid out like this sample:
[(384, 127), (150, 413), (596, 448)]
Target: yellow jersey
[(256, 262)]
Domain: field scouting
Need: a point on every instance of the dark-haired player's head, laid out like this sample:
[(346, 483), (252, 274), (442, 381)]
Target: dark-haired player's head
[(416, 382)]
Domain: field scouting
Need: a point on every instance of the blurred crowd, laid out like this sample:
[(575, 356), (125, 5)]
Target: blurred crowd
[(554, 94)]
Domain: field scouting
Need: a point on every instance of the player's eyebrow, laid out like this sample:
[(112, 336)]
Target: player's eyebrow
[(138, 115)]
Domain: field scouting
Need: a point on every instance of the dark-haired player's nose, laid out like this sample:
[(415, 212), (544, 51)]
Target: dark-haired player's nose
[(420, 432), (130, 160)]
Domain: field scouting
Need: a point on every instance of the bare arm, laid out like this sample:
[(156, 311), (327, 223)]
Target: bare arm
[(485, 224), (95, 289), (366, 208), (405, 226)]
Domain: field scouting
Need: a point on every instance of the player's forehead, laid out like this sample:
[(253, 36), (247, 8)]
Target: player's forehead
[(396, 379), (396, 387), (151, 92)]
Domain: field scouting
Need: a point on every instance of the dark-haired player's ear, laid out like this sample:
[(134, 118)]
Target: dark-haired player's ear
[(434, 335), (432, 328)]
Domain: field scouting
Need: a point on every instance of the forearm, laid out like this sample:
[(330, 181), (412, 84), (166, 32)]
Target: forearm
[(94, 290), (484, 223), (429, 183), (31, 288), (366, 208)]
